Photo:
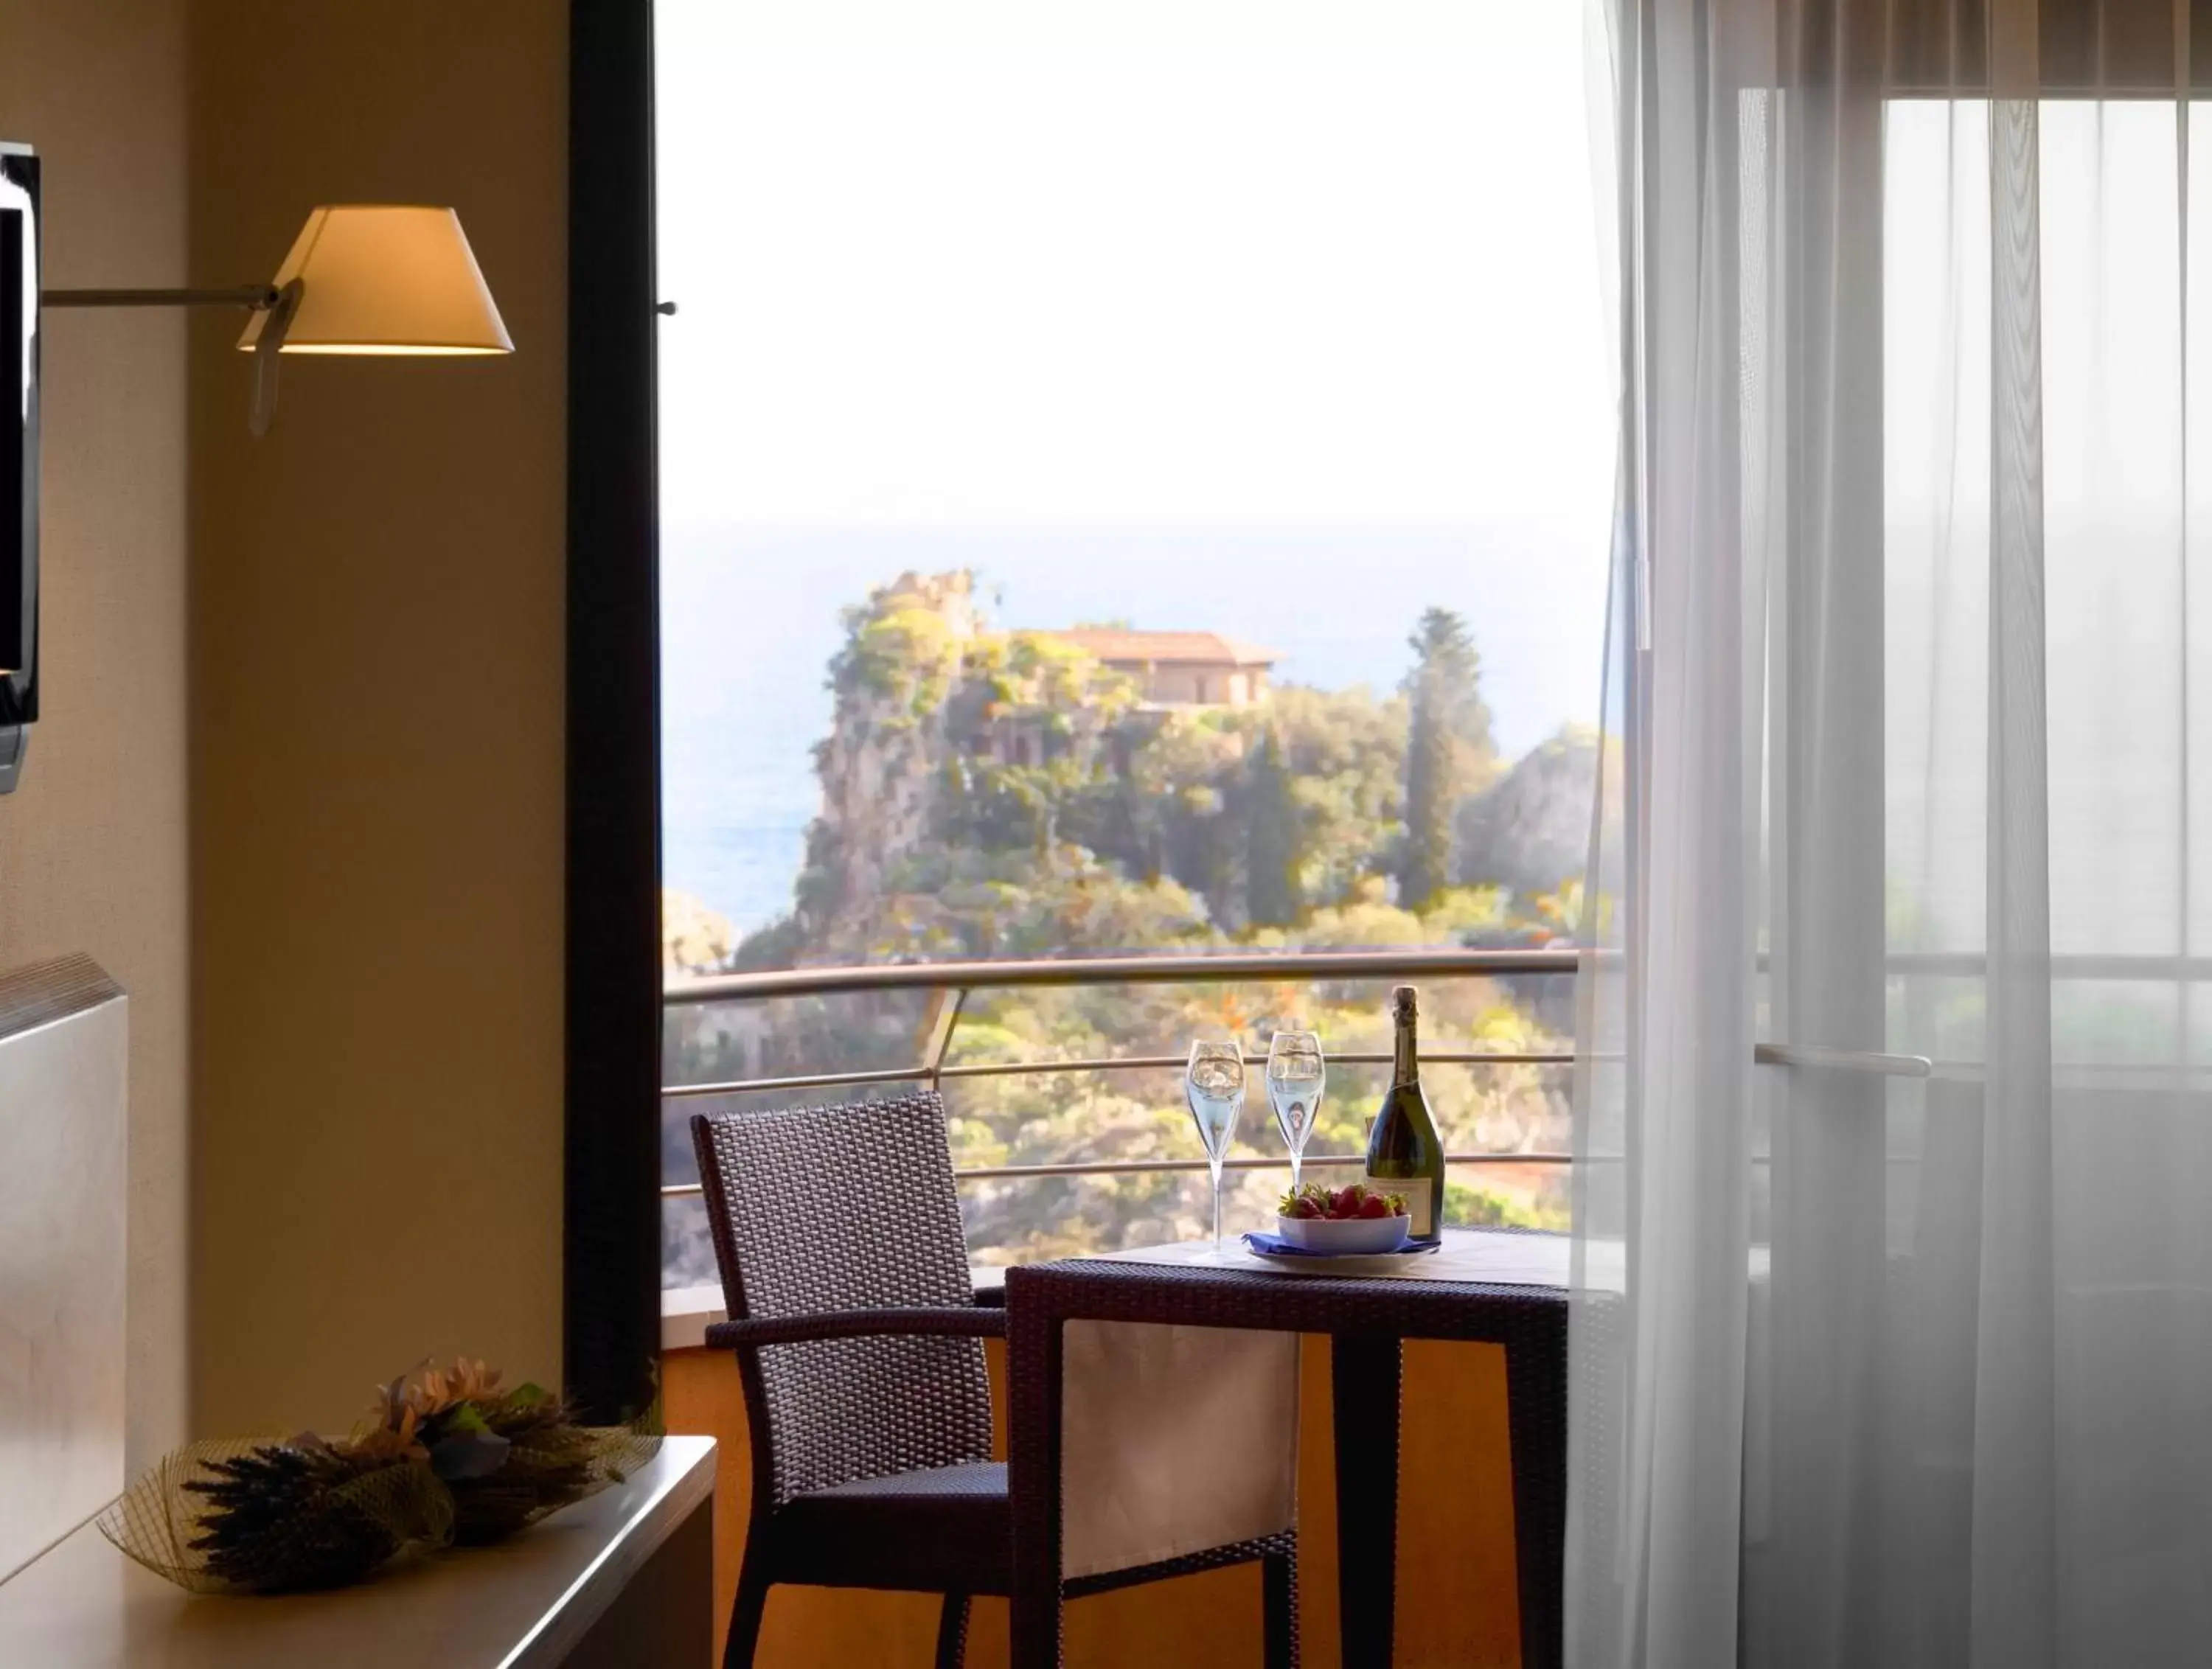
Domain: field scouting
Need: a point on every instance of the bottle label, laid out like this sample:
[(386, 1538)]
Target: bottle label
[(1416, 1190)]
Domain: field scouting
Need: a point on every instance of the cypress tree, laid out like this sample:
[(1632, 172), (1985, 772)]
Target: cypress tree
[(1447, 746), (1270, 838)]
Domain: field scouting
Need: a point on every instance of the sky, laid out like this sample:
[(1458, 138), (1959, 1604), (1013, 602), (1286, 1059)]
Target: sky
[(1132, 262)]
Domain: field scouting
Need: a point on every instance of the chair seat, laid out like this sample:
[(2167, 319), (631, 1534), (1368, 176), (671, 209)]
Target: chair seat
[(940, 1530)]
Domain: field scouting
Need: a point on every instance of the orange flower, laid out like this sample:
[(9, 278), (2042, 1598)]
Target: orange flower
[(393, 1437), (436, 1389)]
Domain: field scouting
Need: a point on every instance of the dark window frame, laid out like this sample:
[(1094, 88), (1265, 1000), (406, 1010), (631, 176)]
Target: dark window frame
[(612, 1222)]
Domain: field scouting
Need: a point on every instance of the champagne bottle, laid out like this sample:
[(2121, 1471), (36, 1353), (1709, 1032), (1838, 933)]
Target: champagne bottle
[(1404, 1154)]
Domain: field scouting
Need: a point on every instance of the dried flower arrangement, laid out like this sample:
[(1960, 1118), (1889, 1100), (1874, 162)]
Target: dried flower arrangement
[(446, 1457)]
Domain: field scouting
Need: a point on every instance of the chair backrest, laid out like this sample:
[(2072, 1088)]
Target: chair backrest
[(820, 1209)]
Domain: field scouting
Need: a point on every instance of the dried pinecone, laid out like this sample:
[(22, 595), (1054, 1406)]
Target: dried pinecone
[(303, 1514)]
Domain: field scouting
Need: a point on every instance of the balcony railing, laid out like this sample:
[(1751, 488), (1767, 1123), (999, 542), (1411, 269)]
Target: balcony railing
[(949, 985)]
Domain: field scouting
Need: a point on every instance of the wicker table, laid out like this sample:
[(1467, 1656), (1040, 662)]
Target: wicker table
[(1365, 1320)]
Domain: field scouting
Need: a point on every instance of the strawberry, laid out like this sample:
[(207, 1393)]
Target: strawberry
[(1375, 1206), (1302, 1208), (1347, 1202)]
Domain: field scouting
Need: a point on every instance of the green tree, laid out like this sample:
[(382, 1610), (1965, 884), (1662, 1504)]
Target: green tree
[(1270, 838), (1448, 748)]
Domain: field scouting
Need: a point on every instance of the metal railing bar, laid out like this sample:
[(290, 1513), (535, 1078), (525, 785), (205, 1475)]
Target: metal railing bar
[(799, 1080), (945, 1004), (1235, 967), (1146, 1167), (1265, 967), (983, 1069), (1824, 1059), (1140, 1167), (2181, 1075), (1109, 1063), (2066, 965)]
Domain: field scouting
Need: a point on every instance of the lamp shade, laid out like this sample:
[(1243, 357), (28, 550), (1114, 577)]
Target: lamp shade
[(378, 278)]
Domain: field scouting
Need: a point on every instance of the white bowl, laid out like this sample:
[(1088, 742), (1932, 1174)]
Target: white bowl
[(1344, 1236)]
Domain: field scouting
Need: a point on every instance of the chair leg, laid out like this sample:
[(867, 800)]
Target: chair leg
[(745, 1612), (1279, 1586), (952, 1631)]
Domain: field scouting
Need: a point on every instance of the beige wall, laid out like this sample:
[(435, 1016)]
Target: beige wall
[(365, 892), (1212, 686), (376, 619), (92, 844)]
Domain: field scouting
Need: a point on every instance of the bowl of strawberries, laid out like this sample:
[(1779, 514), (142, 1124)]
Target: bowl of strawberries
[(1340, 1221)]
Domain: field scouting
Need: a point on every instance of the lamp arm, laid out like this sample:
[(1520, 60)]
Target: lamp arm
[(279, 304), (254, 298), (283, 305)]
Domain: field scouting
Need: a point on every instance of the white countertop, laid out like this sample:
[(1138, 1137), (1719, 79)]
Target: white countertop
[(521, 1604)]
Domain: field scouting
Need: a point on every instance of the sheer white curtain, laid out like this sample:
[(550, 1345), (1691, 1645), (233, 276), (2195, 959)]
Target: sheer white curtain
[(1871, 1367)]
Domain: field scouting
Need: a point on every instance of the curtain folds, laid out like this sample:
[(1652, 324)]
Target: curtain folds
[(1876, 1363)]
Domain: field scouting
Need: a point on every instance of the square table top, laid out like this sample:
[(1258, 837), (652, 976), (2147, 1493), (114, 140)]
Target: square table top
[(1491, 1257), (1485, 1257), (1494, 1284)]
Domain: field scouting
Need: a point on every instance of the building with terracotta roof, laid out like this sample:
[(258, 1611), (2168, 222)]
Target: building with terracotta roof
[(1181, 668)]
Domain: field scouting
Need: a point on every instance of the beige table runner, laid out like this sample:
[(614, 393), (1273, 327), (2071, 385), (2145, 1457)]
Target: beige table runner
[(1173, 1440)]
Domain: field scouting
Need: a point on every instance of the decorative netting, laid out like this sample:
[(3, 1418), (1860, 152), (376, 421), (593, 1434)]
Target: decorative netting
[(449, 1459)]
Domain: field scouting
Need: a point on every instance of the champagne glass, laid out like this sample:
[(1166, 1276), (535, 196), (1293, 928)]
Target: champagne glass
[(1213, 1084), (1296, 1077)]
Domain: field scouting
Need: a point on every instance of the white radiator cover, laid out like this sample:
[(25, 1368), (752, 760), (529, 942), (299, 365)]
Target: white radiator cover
[(64, 1100)]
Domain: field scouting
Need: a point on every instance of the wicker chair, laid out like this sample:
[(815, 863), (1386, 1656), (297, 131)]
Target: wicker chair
[(860, 1342)]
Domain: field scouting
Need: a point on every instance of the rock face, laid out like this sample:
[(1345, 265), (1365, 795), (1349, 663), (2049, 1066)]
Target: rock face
[(1530, 829), (694, 939), (878, 766), (954, 751)]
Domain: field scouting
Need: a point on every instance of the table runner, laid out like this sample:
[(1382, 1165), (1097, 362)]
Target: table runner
[(1174, 1440)]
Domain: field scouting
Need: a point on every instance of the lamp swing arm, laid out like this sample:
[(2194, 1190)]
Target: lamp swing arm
[(281, 302), (254, 298)]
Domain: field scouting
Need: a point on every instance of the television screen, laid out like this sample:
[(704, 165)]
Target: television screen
[(19, 455)]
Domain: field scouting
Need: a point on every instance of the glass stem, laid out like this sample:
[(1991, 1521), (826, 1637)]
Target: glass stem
[(1297, 1160), (1217, 1207)]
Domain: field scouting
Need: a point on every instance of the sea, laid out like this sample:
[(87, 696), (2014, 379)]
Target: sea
[(750, 617)]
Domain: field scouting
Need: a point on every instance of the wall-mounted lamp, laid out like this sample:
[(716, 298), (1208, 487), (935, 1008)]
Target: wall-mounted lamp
[(361, 278)]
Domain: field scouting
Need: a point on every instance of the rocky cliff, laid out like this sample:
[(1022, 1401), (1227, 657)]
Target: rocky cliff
[(880, 764), (987, 793), (1529, 831)]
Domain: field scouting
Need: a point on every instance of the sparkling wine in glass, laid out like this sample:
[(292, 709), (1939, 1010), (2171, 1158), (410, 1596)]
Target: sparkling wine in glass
[(1296, 1077), (1213, 1084)]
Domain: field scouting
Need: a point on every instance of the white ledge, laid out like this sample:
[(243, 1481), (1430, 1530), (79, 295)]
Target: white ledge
[(521, 1604)]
